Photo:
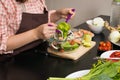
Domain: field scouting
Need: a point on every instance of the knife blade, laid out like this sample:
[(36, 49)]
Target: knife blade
[(111, 58)]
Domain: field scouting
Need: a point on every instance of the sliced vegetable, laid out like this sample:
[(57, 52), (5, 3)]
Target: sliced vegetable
[(87, 40), (86, 44), (69, 46)]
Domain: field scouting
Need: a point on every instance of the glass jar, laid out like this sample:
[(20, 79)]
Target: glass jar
[(115, 13)]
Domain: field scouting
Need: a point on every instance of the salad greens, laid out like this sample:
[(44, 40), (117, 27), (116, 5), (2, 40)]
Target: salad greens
[(62, 33), (64, 27), (67, 46), (102, 70)]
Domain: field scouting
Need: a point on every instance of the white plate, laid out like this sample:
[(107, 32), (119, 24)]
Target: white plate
[(78, 74), (107, 53), (117, 43)]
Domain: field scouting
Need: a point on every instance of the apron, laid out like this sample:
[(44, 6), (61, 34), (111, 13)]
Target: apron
[(30, 21)]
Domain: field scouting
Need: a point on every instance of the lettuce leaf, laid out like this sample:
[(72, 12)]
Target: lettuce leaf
[(67, 46)]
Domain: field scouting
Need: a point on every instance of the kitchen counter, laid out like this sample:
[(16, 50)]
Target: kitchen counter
[(39, 66)]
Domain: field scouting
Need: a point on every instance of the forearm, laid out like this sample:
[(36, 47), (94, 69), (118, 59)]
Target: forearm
[(20, 40), (54, 16)]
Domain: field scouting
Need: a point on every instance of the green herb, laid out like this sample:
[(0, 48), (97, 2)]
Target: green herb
[(102, 70)]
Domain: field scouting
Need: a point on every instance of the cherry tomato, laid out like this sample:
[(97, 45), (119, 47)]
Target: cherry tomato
[(100, 48), (72, 42), (105, 46), (61, 50), (101, 42)]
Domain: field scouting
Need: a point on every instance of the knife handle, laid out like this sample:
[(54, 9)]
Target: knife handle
[(69, 16)]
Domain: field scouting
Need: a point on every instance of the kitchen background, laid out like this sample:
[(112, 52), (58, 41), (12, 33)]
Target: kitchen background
[(85, 9)]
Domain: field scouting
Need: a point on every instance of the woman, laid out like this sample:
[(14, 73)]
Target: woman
[(25, 24)]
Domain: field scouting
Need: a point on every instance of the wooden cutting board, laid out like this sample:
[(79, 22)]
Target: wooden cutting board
[(74, 55)]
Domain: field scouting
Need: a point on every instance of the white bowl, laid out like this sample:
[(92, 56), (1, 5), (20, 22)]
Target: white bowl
[(95, 28)]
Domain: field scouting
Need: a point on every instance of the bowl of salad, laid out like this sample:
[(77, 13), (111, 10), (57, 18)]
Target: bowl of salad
[(67, 40)]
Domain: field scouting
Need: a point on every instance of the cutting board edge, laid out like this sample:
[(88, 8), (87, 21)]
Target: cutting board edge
[(67, 55)]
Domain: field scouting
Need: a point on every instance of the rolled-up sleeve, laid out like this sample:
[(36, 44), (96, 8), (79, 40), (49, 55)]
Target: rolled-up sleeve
[(3, 31)]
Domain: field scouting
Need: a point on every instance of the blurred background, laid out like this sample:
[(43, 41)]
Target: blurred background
[(85, 9)]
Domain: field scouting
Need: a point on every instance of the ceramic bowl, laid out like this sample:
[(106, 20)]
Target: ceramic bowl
[(96, 28)]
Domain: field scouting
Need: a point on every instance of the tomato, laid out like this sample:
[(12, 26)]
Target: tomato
[(109, 47), (100, 48), (72, 42), (101, 42), (61, 50), (105, 46), (115, 54), (108, 43)]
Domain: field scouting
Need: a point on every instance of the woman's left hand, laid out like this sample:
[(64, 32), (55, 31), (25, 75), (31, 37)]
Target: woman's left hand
[(63, 13)]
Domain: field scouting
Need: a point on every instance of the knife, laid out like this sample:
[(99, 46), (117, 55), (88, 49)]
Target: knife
[(111, 58), (69, 16)]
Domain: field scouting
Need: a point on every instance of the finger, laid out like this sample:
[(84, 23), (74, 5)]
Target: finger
[(72, 12), (52, 29), (63, 16), (52, 24), (50, 35), (52, 32), (72, 16)]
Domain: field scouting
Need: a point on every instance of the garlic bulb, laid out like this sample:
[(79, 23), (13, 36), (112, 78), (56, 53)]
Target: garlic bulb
[(114, 36)]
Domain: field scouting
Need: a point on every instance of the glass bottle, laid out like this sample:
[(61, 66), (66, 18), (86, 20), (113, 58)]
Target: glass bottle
[(115, 13)]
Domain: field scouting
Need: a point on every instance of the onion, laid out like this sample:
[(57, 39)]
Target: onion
[(57, 33), (114, 36), (53, 46)]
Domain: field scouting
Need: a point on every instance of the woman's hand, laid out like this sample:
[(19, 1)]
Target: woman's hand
[(65, 12), (61, 13), (45, 31)]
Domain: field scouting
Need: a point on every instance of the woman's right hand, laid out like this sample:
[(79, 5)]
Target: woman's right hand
[(45, 31)]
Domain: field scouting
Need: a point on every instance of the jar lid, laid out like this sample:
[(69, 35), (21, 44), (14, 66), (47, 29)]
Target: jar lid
[(116, 0)]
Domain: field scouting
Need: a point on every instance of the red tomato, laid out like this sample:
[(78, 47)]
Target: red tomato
[(115, 54), (108, 43), (101, 42), (61, 50), (100, 48), (72, 42), (105, 46)]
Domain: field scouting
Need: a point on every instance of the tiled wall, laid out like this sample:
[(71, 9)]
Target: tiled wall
[(85, 9)]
